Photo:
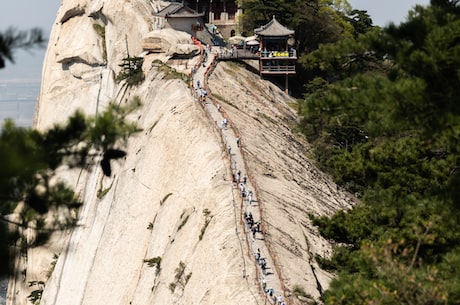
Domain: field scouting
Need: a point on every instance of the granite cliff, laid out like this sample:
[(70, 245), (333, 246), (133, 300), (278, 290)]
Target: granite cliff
[(172, 201)]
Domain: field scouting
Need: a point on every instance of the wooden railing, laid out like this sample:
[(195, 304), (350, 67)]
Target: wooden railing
[(278, 54), (229, 54), (280, 68)]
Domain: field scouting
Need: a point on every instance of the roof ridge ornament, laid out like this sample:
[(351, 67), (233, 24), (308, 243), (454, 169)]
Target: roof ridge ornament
[(273, 29)]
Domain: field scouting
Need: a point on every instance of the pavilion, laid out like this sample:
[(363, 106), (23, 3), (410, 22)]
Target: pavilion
[(277, 56)]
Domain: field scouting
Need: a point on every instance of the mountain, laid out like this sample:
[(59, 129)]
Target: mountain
[(167, 226)]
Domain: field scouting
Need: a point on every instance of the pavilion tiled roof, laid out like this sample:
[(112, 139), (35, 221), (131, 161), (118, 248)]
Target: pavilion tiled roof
[(176, 9), (273, 29)]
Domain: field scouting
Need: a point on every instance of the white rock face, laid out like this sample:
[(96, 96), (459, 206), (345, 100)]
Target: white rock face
[(170, 42), (175, 169)]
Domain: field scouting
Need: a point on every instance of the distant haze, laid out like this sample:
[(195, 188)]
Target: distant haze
[(23, 15)]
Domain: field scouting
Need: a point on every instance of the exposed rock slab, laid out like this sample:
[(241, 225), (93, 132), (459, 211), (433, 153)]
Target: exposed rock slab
[(178, 153), (170, 42), (289, 185)]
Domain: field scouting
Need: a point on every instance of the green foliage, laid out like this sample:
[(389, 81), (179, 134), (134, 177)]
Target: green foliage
[(360, 20), (343, 229), (393, 279), (131, 71), (206, 213), (317, 24), (42, 233), (13, 39), (180, 278), (31, 158), (36, 295), (102, 192), (346, 57), (208, 217), (220, 98), (53, 265), (112, 125), (100, 30), (154, 262), (387, 128), (169, 72), (430, 52), (298, 290)]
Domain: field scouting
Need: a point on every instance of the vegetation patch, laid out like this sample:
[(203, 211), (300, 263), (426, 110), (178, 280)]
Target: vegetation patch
[(208, 217), (150, 225), (233, 67), (169, 72), (131, 71), (268, 118), (102, 192), (224, 100), (30, 161), (382, 117), (298, 290), (325, 264), (154, 262), (53, 265), (42, 233), (295, 105), (100, 30), (220, 98), (180, 278), (36, 295)]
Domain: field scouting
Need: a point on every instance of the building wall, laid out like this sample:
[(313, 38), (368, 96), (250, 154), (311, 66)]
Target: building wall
[(225, 23), (183, 24)]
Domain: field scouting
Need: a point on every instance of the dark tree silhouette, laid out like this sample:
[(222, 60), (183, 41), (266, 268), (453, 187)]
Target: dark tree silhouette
[(12, 40), (29, 162)]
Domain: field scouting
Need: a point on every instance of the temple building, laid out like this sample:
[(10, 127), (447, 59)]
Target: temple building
[(179, 17), (221, 15), (277, 55)]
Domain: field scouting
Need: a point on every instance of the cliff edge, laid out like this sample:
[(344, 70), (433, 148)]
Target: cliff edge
[(169, 226)]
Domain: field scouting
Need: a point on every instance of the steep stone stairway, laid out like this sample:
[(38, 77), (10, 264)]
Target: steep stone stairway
[(267, 278)]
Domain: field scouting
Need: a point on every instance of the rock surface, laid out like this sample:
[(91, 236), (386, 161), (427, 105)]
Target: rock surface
[(170, 42), (174, 178)]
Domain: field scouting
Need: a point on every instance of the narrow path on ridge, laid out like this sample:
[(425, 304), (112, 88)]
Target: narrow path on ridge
[(269, 282)]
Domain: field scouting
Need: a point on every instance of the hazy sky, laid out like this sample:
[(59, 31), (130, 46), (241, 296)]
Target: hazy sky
[(25, 14), (383, 12)]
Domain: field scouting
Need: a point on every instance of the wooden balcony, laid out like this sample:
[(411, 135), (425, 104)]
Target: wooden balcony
[(278, 69), (226, 54), (275, 63), (278, 54)]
